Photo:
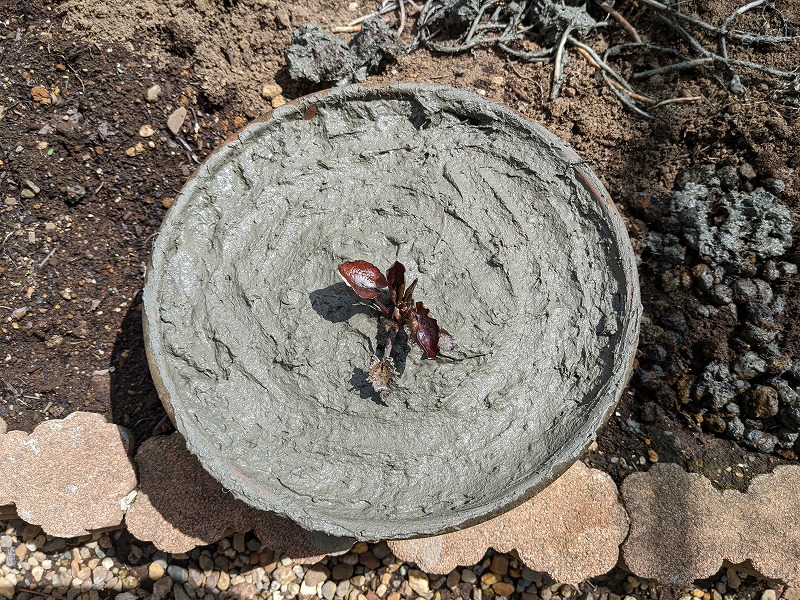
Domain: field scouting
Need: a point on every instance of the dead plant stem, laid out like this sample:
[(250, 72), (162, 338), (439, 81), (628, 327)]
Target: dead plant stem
[(620, 19)]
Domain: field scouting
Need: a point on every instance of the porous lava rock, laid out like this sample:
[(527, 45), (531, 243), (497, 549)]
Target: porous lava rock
[(572, 530), (730, 227), (683, 528), (69, 475), (318, 56)]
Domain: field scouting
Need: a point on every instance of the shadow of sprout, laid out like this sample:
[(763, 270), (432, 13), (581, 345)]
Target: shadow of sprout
[(337, 304), (361, 383)]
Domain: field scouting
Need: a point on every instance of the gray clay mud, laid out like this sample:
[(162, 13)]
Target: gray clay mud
[(318, 56), (261, 349)]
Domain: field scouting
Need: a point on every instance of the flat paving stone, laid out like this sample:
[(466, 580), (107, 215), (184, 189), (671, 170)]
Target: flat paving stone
[(179, 505), (770, 512), (9, 445), (676, 534), (572, 530), (69, 475), (683, 528), (288, 538)]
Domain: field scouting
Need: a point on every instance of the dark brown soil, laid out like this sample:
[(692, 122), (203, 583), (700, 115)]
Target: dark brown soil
[(74, 244)]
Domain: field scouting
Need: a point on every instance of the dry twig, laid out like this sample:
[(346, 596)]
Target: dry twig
[(619, 19), (681, 66), (402, 25), (675, 100), (559, 25)]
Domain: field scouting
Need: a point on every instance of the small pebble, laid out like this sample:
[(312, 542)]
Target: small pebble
[(418, 580), (499, 564), (153, 93), (316, 575), (468, 576), (722, 294), (176, 119), (343, 588), (329, 590), (224, 581), (271, 90), (178, 573), (341, 571), (155, 571), (238, 542)]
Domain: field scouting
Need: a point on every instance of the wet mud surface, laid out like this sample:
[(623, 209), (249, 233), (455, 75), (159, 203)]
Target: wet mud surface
[(258, 346)]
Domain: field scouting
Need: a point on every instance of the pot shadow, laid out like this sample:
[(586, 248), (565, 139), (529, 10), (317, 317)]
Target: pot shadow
[(337, 304), (360, 378), (359, 381), (133, 397), (189, 500)]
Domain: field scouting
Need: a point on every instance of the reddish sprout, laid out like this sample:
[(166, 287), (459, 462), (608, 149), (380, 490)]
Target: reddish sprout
[(396, 276), (427, 330), (367, 281), (365, 278)]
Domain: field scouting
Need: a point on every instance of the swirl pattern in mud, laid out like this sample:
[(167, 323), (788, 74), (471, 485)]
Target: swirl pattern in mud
[(261, 350)]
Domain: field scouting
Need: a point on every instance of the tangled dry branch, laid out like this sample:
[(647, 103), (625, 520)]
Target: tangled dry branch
[(555, 26)]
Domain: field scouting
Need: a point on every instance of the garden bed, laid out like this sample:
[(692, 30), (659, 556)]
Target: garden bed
[(90, 166)]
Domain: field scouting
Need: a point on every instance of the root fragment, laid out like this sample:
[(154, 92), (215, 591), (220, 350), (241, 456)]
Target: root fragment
[(381, 373)]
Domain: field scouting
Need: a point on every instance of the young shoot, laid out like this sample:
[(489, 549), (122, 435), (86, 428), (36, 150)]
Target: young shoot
[(367, 281)]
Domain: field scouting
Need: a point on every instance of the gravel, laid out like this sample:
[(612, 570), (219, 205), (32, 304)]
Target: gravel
[(114, 564)]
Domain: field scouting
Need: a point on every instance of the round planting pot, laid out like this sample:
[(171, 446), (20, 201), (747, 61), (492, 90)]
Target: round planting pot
[(260, 352)]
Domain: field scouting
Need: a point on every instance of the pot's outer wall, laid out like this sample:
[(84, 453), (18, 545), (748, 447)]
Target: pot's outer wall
[(257, 352)]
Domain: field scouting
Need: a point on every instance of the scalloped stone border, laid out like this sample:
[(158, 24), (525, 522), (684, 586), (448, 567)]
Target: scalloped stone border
[(669, 525)]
